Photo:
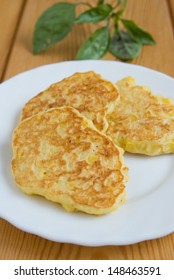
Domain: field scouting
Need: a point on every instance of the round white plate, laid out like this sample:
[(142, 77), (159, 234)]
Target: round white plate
[(149, 210)]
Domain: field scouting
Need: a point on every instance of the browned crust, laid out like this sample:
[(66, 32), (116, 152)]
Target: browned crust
[(60, 155)]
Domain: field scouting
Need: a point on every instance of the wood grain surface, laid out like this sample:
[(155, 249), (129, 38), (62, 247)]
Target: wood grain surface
[(16, 55), (171, 10), (9, 20)]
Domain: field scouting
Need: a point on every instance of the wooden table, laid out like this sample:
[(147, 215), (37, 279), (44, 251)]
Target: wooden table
[(16, 23)]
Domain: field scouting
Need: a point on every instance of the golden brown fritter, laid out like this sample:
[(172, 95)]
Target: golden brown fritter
[(60, 155), (93, 96), (142, 122)]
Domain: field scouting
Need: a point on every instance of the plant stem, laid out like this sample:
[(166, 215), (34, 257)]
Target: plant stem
[(84, 3), (114, 7)]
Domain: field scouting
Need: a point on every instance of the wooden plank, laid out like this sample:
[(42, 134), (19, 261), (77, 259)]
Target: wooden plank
[(9, 15), (171, 8), (150, 15), (65, 50)]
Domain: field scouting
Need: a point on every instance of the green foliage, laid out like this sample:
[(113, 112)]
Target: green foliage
[(124, 46), (96, 45), (58, 20), (53, 25), (137, 33), (99, 13)]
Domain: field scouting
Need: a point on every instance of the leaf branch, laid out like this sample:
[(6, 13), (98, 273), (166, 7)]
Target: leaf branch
[(58, 20)]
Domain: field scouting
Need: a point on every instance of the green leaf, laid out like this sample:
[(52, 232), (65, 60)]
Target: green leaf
[(99, 13), (137, 33), (53, 25), (96, 45), (124, 46)]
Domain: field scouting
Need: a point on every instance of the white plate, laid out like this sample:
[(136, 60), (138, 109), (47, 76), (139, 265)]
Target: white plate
[(148, 212)]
